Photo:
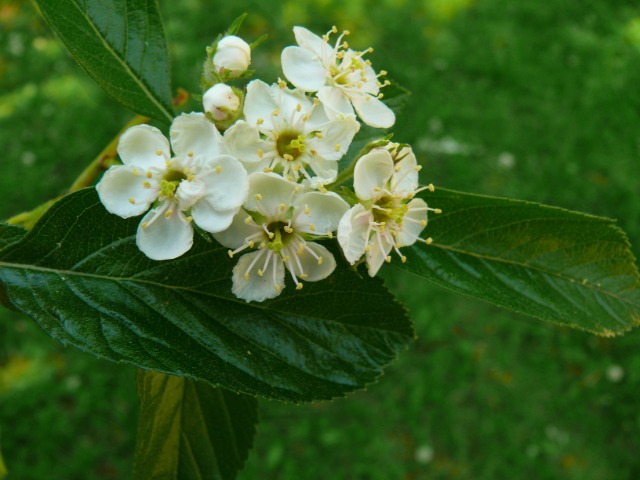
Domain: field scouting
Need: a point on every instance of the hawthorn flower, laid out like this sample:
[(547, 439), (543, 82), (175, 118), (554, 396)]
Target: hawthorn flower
[(199, 183), (388, 216), (221, 102), (287, 133), (232, 56), (278, 222), (342, 78)]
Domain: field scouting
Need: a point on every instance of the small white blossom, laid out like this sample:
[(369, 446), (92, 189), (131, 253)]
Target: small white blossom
[(232, 56), (220, 101), (278, 220), (285, 131), (200, 183), (342, 78), (388, 216)]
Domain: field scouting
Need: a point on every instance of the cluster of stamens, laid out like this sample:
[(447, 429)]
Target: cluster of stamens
[(341, 69)]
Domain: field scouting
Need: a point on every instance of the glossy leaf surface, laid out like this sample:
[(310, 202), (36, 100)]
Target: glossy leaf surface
[(79, 274), (557, 265), (121, 44), (191, 430), (10, 234)]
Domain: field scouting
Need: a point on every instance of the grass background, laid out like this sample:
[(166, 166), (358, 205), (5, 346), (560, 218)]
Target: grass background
[(528, 99)]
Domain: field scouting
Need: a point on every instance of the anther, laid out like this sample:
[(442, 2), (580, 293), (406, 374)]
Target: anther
[(158, 152), (338, 146), (259, 121), (403, 259), (320, 260), (312, 227), (260, 272), (146, 185), (299, 286), (145, 224), (135, 172), (258, 196), (248, 220), (190, 154), (431, 187), (260, 153), (276, 112), (282, 83), (329, 235), (148, 174), (218, 168), (283, 207), (278, 288), (168, 214), (246, 276), (298, 107), (423, 223), (230, 253), (437, 210), (132, 200), (428, 241), (388, 259), (189, 219), (418, 167)]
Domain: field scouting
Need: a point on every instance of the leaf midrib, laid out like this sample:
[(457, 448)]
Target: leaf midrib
[(565, 278), (58, 272), (124, 64)]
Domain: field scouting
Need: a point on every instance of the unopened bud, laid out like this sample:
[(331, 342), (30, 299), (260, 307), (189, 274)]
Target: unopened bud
[(220, 101), (233, 56)]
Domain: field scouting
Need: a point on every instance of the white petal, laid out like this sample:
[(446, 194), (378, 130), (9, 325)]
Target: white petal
[(164, 233), (140, 145), (234, 236), (352, 232), (189, 192), (194, 133), (411, 223), (211, 219), (373, 112), (405, 178), (335, 101), (226, 183), (303, 69), (258, 288), (318, 266), (122, 191), (243, 142), (337, 136), (378, 253), (259, 103), (267, 193), (326, 171), (311, 41), (372, 171), (322, 211)]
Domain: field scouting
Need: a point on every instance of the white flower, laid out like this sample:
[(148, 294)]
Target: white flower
[(387, 217), (278, 220), (285, 132), (220, 101), (341, 77), (233, 56), (200, 183)]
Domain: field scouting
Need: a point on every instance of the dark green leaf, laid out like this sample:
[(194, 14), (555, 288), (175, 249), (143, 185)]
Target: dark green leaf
[(562, 266), (10, 234), (79, 274), (121, 44), (191, 430)]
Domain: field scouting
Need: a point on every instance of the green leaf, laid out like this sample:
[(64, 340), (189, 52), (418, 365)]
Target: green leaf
[(565, 267), (121, 44), (79, 274), (10, 234), (191, 430)]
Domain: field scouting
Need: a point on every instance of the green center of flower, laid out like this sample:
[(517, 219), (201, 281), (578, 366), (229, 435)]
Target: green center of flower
[(282, 233), (290, 145), (170, 182), (389, 209)]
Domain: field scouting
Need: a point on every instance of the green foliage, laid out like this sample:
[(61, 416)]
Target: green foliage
[(121, 45), (3, 468), (558, 265), (10, 234), (79, 274), (190, 430)]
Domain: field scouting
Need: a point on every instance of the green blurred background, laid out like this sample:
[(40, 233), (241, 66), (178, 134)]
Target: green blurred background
[(521, 98)]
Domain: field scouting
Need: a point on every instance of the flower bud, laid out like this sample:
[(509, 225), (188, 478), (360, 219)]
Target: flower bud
[(233, 56), (220, 101)]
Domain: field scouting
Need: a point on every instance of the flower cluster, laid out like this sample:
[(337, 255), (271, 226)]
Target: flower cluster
[(271, 185)]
